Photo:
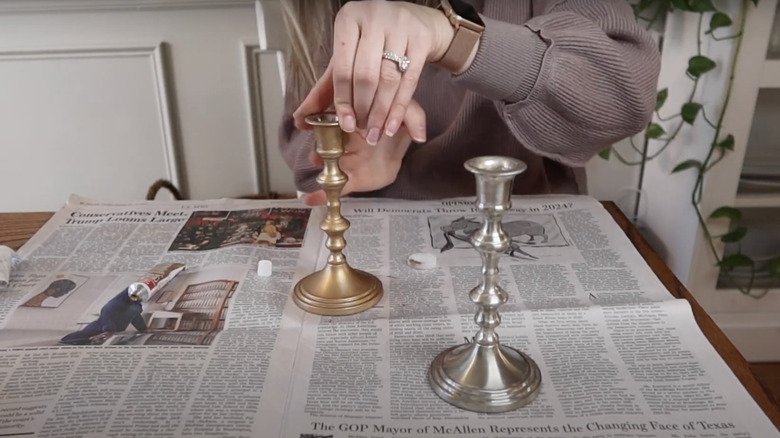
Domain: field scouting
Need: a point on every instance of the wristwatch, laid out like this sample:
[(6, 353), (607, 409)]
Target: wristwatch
[(468, 29)]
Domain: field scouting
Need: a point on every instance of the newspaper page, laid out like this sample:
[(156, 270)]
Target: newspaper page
[(225, 352), (619, 356), (198, 364)]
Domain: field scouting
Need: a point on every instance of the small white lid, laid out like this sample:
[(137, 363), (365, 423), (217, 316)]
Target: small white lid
[(264, 268), (422, 260)]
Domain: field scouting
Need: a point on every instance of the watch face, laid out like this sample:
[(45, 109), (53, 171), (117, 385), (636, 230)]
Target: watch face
[(466, 11)]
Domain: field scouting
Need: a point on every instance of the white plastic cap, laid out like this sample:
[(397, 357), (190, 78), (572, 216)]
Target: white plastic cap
[(422, 260), (264, 268)]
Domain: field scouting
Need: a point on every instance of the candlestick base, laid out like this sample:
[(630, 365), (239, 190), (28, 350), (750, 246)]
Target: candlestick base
[(337, 290), (482, 378)]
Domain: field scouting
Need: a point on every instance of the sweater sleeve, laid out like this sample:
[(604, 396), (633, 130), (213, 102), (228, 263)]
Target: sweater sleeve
[(577, 77), (295, 146)]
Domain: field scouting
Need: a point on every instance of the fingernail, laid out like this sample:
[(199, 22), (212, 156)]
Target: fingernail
[(391, 128), (373, 136), (419, 139), (348, 123)]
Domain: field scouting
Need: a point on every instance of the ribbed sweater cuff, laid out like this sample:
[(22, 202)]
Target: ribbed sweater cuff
[(507, 62)]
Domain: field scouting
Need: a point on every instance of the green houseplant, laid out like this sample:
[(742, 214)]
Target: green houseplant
[(669, 123)]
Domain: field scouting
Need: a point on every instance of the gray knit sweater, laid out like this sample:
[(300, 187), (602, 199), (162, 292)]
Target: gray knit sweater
[(553, 83)]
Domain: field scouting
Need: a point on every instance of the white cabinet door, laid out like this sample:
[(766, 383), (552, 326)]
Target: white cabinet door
[(103, 97), (752, 324)]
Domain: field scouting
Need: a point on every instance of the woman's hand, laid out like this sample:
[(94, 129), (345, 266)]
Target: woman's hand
[(370, 167), (368, 92)]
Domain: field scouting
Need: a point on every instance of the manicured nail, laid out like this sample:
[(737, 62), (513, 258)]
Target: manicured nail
[(348, 123), (391, 128), (373, 136), (419, 139)]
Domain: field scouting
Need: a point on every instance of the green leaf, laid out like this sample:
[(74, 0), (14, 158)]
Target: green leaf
[(774, 267), (680, 4), (605, 153), (654, 131), (643, 4), (687, 164), (660, 98), (734, 261), (732, 213), (735, 235), (727, 143), (689, 112), (698, 65), (701, 6), (718, 20)]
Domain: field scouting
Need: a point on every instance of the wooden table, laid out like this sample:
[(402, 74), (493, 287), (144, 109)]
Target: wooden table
[(17, 228)]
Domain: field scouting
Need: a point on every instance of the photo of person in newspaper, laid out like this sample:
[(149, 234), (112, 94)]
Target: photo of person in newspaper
[(269, 234), (115, 316), (193, 311), (57, 289), (271, 227)]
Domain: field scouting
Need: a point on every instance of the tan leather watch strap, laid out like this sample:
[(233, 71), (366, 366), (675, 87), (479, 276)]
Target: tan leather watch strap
[(460, 49)]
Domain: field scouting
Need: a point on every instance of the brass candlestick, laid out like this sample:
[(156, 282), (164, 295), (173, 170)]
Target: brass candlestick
[(483, 375), (337, 289)]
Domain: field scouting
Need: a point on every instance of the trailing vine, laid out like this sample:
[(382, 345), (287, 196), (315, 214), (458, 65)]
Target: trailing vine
[(649, 12)]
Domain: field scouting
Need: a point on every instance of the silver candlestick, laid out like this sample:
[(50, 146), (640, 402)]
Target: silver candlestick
[(483, 375)]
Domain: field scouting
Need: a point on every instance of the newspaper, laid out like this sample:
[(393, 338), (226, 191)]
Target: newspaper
[(226, 352)]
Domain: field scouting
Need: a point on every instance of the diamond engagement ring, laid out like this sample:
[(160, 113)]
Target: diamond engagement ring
[(402, 61)]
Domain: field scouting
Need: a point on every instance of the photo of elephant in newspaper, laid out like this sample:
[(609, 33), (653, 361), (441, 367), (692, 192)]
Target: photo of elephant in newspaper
[(524, 231)]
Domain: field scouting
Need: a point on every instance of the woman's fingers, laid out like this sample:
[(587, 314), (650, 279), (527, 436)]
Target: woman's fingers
[(415, 122), (346, 35), (366, 71), (416, 51), (369, 92), (371, 168), (315, 198), (319, 99), (389, 81)]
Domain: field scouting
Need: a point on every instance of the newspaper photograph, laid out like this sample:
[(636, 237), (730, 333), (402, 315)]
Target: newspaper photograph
[(150, 319)]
